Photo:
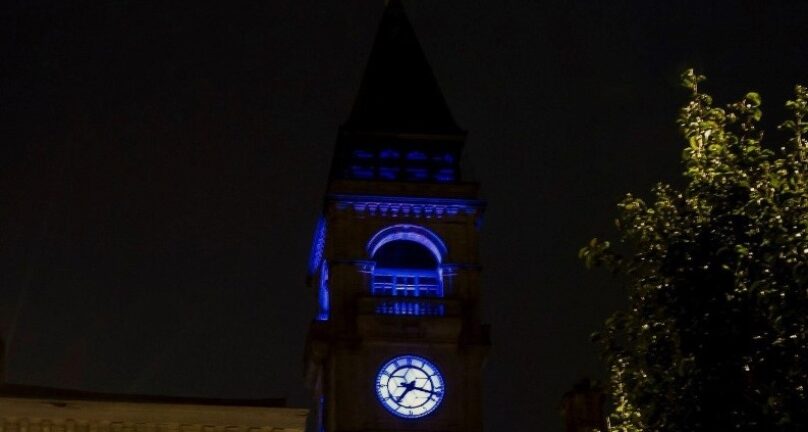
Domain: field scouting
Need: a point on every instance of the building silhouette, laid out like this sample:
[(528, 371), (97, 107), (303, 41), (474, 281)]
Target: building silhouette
[(26, 408), (398, 343)]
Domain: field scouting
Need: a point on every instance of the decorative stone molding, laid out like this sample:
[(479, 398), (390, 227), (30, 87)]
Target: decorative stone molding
[(406, 207)]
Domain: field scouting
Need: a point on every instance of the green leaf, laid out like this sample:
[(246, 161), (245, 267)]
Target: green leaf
[(753, 99), (714, 275)]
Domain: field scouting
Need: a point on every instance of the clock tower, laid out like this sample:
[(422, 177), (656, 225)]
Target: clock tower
[(397, 343)]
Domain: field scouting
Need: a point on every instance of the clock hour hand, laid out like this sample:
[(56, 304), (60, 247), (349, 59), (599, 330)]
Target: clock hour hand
[(408, 387)]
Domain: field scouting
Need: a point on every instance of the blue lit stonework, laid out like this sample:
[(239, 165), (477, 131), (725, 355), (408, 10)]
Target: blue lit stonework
[(389, 173), (317, 246), (323, 296), (396, 160), (318, 269), (411, 307), (409, 232), (399, 314), (416, 156), (406, 270), (389, 154)]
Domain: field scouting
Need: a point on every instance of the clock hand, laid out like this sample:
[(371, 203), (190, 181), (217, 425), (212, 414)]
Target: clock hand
[(408, 387), (426, 391)]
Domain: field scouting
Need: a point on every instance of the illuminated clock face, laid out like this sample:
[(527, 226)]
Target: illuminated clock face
[(410, 386)]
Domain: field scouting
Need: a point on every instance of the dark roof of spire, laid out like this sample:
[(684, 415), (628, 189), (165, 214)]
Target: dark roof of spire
[(399, 93)]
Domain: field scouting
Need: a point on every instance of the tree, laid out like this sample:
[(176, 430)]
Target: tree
[(715, 336)]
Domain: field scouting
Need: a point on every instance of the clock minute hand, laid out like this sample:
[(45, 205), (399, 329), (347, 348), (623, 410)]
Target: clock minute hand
[(425, 390)]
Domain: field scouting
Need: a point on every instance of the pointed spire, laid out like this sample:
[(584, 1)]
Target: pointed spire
[(399, 93)]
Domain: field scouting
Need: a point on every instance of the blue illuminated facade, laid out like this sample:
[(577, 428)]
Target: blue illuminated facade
[(318, 270), (408, 232), (317, 246), (323, 296), (391, 159), (406, 265), (394, 264)]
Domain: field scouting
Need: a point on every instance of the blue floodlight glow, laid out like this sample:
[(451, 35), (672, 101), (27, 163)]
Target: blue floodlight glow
[(406, 282), (323, 300), (408, 307), (388, 173), (417, 174), (409, 271), (317, 246), (361, 172), (410, 386), (416, 156), (389, 154), (446, 158), (409, 232), (445, 175), (362, 154)]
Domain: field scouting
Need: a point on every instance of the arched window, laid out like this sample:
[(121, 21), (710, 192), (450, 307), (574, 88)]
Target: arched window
[(407, 262)]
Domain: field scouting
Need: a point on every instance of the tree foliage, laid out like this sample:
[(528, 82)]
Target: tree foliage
[(715, 337)]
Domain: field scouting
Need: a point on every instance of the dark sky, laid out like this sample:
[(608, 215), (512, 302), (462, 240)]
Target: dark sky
[(162, 167)]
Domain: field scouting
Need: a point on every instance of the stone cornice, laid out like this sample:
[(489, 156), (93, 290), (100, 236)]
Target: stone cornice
[(414, 207)]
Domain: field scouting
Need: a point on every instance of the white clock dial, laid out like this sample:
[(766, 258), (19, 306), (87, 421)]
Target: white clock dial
[(410, 386)]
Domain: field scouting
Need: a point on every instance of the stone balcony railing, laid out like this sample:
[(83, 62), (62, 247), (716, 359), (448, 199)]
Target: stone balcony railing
[(408, 306)]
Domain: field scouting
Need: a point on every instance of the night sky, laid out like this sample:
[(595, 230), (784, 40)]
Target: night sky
[(162, 168)]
